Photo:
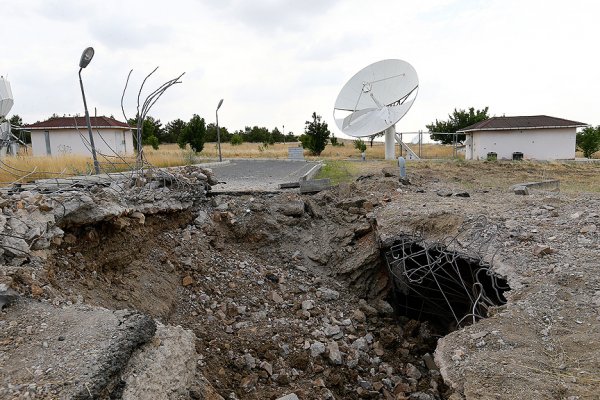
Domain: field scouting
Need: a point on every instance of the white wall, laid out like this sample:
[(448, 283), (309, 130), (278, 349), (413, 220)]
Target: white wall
[(68, 141), (535, 144)]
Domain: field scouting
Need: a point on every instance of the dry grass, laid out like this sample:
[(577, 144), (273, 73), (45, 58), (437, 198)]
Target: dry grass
[(347, 151), (574, 177), (473, 175)]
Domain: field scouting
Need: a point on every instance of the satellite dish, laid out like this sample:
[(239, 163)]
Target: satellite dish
[(376, 97), (6, 97)]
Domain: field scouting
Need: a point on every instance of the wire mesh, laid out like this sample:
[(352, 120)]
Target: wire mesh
[(448, 279)]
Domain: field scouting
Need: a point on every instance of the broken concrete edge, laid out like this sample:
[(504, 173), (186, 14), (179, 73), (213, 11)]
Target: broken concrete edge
[(312, 172), (314, 185), (549, 184), (134, 331)]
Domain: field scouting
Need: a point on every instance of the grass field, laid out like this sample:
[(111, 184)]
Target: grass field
[(342, 163), (472, 175)]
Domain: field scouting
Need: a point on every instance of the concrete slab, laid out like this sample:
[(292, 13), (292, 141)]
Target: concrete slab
[(74, 352)]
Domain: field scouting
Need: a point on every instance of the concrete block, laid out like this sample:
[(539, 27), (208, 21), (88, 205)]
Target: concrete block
[(521, 190), (314, 186)]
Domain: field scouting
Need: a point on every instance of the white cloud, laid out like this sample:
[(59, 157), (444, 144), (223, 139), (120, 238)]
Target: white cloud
[(275, 62)]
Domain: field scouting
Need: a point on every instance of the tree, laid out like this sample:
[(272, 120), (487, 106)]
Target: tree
[(194, 134), (315, 135), (457, 120), (211, 133), (588, 140), (151, 130), (236, 139), (360, 145), (172, 131), (277, 136)]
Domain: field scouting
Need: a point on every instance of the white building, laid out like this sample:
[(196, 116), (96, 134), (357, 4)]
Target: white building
[(69, 136), (536, 137)]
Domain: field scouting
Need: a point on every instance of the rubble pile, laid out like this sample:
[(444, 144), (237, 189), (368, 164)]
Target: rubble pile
[(283, 296)]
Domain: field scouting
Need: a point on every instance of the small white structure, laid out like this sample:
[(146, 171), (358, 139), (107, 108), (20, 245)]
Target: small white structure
[(536, 137), (69, 136)]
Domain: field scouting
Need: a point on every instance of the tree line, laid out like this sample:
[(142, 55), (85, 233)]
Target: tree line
[(316, 136)]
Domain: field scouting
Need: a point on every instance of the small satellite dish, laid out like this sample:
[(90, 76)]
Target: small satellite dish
[(376, 97), (6, 97)]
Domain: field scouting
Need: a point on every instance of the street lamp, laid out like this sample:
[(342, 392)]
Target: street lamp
[(218, 131), (86, 57)]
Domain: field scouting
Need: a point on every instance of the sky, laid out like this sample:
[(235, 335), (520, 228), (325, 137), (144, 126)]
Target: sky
[(275, 62)]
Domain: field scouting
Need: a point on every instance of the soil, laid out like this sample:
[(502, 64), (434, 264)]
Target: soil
[(290, 293)]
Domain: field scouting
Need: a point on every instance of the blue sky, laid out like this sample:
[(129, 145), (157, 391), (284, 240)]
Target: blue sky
[(275, 62)]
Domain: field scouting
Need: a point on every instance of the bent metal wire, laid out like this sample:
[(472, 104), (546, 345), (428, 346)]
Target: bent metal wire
[(446, 279)]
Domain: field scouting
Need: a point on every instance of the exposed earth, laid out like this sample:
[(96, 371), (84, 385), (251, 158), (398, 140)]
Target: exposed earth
[(156, 289)]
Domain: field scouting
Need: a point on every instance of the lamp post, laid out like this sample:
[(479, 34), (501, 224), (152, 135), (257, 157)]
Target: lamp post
[(86, 57), (218, 131)]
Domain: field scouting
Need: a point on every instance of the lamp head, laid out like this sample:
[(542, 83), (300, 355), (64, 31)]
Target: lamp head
[(86, 57), (219, 105)]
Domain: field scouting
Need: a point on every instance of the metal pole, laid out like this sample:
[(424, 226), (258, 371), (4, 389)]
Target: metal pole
[(89, 125), (218, 135)]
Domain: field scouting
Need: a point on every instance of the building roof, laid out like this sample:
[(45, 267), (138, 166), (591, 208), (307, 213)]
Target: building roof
[(520, 123), (77, 122)]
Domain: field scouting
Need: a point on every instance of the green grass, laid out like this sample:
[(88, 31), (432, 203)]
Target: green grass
[(338, 171)]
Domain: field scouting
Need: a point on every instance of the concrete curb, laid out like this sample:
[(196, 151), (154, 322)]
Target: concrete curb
[(552, 185), (312, 172), (212, 163)]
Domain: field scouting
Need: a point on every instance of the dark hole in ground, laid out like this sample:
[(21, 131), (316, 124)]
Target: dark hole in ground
[(447, 288)]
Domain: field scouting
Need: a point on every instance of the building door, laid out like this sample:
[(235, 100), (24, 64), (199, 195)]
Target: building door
[(47, 140)]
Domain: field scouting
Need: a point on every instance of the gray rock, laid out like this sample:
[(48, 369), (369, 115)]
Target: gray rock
[(294, 208), (335, 356), (412, 372), (331, 330), (316, 349), (329, 294), (291, 396), (521, 190), (308, 305), (360, 344)]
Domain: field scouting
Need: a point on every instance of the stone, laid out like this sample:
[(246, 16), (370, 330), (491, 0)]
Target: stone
[(201, 219), (360, 344), (249, 382), (541, 249), (359, 316), (140, 217), (308, 305), (276, 297), (316, 349), (249, 361), (328, 294), (384, 308), (267, 367), (521, 190), (36, 291), (444, 193), (430, 362), (292, 208), (412, 372), (332, 330), (334, 355), (462, 194), (367, 308), (291, 396), (187, 280)]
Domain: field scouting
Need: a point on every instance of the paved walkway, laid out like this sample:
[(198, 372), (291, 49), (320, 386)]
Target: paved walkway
[(264, 175)]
